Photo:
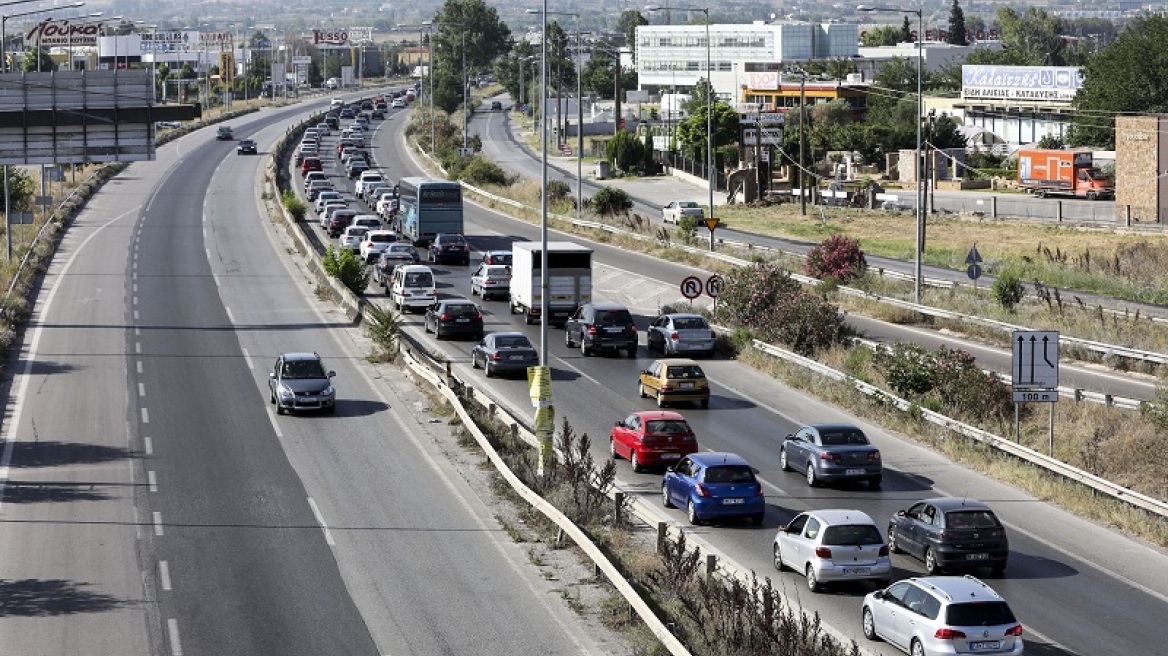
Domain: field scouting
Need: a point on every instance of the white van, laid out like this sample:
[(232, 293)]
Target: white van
[(337, 102), (412, 287)]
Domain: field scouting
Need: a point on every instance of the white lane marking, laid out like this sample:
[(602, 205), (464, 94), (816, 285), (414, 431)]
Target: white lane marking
[(275, 426), (152, 480), (135, 319), (135, 288), (145, 416), (164, 575), (208, 250), (134, 300), (172, 631), (215, 277), (138, 366), (137, 347), (328, 536), (157, 523), (230, 316), (568, 365), (247, 359), (148, 445), (137, 330), (141, 389), (204, 229)]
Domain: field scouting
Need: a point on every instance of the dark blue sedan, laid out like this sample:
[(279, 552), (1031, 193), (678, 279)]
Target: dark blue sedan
[(714, 486)]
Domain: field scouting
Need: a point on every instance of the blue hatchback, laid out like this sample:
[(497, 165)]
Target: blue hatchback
[(714, 486)]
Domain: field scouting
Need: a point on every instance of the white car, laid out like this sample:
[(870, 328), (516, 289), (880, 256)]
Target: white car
[(375, 242), (833, 546), (371, 221), (673, 212), (398, 103), (324, 198), (387, 206), (367, 180), (350, 239)]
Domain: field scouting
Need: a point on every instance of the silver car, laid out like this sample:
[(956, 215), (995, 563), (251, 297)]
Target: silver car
[(491, 280), (299, 381), (832, 452), (942, 616), (678, 334), (833, 546)]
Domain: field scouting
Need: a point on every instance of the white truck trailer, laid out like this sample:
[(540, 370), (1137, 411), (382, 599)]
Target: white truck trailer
[(569, 279)]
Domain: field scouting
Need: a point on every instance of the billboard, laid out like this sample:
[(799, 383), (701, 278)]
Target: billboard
[(166, 41), (63, 32), (763, 81), (1043, 84)]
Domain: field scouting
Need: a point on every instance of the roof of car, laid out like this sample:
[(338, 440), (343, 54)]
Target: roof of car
[(956, 503), (672, 362), (608, 306), (834, 427), (683, 315), (836, 517), (507, 333), (300, 356), (958, 588), (649, 415), (711, 458)]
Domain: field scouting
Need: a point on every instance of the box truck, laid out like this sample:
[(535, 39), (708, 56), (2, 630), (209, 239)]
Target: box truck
[(569, 279), (1049, 172)]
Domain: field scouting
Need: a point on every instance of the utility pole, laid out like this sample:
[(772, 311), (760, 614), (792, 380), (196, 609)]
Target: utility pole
[(802, 134)]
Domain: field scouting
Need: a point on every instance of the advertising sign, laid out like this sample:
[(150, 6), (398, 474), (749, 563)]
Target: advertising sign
[(63, 32), (330, 37), (1047, 84), (166, 41), (764, 80), (359, 34), (214, 39)]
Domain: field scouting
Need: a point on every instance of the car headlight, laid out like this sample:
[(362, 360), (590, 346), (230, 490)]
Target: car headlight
[(286, 392), (329, 391)]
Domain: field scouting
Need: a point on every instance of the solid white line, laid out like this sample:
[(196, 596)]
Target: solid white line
[(145, 416), (328, 536), (157, 523), (164, 575), (230, 317), (152, 479), (215, 276), (247, 359), (138, 366), (135, 316), (148, 445), (172, 631), (141, 389)]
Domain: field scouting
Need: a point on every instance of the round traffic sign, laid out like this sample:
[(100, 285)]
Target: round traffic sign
[(714, 286), (691, 287), (974, 271)]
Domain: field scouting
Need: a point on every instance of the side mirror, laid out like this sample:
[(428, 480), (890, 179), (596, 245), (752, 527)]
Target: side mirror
[(272, 375), (879, 594), (331, 374), (618, 423), (782, 528), (789, 437), (900, 513)]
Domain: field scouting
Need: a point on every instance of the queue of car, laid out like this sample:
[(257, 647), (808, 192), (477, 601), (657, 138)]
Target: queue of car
[(924, 616)]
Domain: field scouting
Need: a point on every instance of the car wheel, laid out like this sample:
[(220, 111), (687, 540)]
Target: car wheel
[(869, 624), (635, 463), (271, 396), (332, 409), (641, 389), (691, 513), (665, 496), (584, 350), (778, 558), (474, 361), (783, 464), (631, 352), (660, 399), (612, 453), (931, 563), (998, 570), (758, 518), (279, 409), (813, 582), (568, 339), (812, 481), (893, 547), (917, 648)]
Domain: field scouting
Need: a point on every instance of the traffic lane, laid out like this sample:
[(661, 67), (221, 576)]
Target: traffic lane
[(401, 518), (1001, 360)]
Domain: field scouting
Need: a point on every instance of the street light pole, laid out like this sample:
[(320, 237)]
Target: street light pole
[(429, 26), (579, 109), (920, 228)]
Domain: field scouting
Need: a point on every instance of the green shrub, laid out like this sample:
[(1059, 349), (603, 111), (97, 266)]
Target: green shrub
[(909, 369), (609, 201), (765, 299), (1008, 289), (625, 152), (294, 205), (558, 190), (383, 326), (478, 171), (345, 266), (837, 257), (687, 227)]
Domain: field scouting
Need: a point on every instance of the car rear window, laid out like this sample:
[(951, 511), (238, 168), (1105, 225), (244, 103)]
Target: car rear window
[(516, 341), (690, 323), (852, 534), (979, 613), (356, 231), (614, 318), (402, 248), (667, 427), (841, 437), (419, 279), (498, 271), (684, 371), (499, 258), (452, 239), (383, 238), (728, 474), (971, 519), (460, 309)]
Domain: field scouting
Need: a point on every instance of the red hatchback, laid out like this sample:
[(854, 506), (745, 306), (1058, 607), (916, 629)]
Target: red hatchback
[(652, 438), (311, 164)]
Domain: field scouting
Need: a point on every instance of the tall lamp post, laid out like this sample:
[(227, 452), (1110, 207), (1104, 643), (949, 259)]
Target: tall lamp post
[(709, 107), (427, 26), (920, 236), (580, 113)]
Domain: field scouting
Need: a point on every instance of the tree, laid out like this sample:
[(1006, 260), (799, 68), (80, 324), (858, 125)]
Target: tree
[(625, 152), (20, 189), (38, 60), (691, 132), (699, 97), (957, 35), (1129, 76), (944, 133), (477, 26), (627, 25), (1035, 39), (508, 73), (885, 35), (906, 31)]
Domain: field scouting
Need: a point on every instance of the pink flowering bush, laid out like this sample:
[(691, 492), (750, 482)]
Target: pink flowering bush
[(765, 300), (838, 258)]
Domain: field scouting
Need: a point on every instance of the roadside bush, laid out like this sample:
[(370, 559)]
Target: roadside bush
[(625, 152), (838, 257), (907, 368), (345, 266), (558, 190), (748, 293), (294, 205), (383, 327), (947, 381), (687, 227), (479, 171), (1155, 410), (765, 299), (1008, 289), (609, 201)]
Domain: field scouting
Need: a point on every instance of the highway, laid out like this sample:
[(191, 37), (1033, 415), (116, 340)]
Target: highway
[(153, 503), (1079, 588)]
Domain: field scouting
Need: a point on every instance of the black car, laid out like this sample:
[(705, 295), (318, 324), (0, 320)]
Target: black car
[(357, 167), (450, 318), (602, 326), (347, 113), (333, 120), (377, 113), (449, 247), (496, 105), (950, 533), (300, 381), (503, 353), (247, 147)]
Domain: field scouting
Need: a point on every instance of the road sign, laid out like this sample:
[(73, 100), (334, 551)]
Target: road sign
[(973, 257), (974, 271), (691, 287), (714, 286), (1035, 365), (712, 223), (1036, 396)]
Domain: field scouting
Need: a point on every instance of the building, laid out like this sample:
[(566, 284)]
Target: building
[(1141, 159), (935, 55), (776, 91), (1018, 104), (673, 57)]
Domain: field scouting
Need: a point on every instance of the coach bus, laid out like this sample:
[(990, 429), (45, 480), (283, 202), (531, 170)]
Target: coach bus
[(427, 207)]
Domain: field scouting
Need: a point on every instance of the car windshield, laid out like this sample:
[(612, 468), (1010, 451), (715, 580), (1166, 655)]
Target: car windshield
[(979, 613), (852, 534), (512, 341), (613, 317), (303, 369), (971, 519), (841, 437), (667, 427), (729, 474), (684, 371), (690, 323), (688, 205), (459, 309)]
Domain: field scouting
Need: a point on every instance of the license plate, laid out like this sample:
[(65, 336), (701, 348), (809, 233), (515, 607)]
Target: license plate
[(855, 472), (516, 357), (672, 456), (612, 330), (687, 386), (732, 502), (463, 320), (977, 556), (985, 645), (857, 570)]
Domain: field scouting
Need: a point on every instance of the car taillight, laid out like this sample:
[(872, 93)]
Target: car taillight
[(496, 357), (649, 439), (592, 330), (488, 281), (701, 490), (883, 551), (834, 457), (948, 634), (633, 329), (666, 388), (874, 456), (445, 317), (674, 336), (758, 489), (478, 315), (1015, 631), (822, 552)]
